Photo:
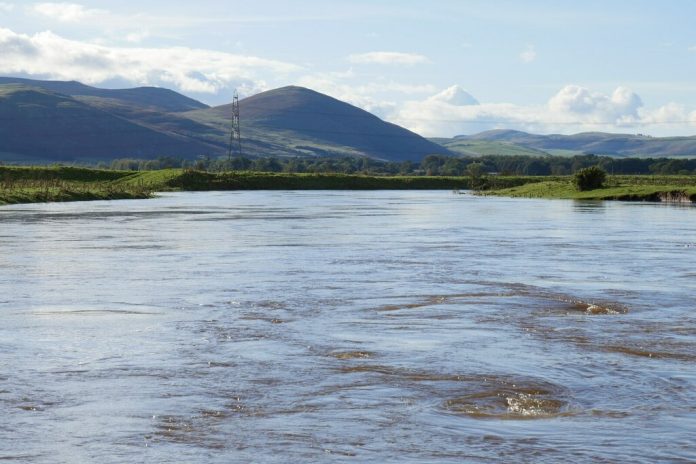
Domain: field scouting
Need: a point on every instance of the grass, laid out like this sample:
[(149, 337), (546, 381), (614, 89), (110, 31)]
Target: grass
[(44, 184), (195, 180), (40, 184), (485, 147), (626, 188)]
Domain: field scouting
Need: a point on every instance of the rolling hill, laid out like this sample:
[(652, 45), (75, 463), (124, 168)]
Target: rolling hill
[(48, 121), (474, 148), (598, 143), (153, 98), (42, 126), (298, 121), (45, 121)]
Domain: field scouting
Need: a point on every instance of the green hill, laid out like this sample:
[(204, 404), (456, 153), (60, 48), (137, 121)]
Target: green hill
[(298, 121), (471, 147), (153, 98), (49, 121), (46, 121), (41, 126), (598, 143)]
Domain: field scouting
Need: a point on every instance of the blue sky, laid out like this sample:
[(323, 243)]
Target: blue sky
[(440, 67)]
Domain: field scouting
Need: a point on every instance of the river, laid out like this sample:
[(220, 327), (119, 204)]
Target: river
[(334, 326)]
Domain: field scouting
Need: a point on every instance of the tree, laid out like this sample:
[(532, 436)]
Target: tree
[(475, 172), (590, 178)]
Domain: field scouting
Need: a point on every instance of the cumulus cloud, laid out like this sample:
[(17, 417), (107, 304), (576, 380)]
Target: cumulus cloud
[(48, 55), (454, 95), (65, 12), (572, 109), (387, 58), (621, 106), (528, 54)]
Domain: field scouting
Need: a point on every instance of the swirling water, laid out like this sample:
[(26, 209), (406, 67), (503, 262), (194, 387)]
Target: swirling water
[(347, 327)]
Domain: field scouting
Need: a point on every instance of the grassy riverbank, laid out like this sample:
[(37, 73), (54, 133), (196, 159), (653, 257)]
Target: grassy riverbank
[(41, 184), (176, 179), (44, 184), (625, 188)]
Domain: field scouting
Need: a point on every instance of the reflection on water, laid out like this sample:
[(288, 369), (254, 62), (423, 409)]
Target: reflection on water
[(347, 326)]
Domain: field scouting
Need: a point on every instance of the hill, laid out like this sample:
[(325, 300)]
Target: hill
[(153, 98), (46, 121), (298, 121), (39, 125), (598, 143), (473, 147)]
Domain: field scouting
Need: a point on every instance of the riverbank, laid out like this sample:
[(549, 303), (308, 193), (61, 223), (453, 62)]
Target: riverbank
[(44, 184), (52, 184), (41, 184), (680, 189)]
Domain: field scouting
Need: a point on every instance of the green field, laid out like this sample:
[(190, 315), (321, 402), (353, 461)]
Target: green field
[(626, 188), (476, 148)]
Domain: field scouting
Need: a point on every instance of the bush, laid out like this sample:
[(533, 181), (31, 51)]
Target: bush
[(590, 178)]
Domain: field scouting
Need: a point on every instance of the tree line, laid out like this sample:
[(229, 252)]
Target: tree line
[(432, 165)]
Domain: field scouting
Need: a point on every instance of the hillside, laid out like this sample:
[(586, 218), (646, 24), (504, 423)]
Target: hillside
[(69, 121), (299, 121), (42, 126), (48, 121), (152, 98), (472, 147), (599, 143)]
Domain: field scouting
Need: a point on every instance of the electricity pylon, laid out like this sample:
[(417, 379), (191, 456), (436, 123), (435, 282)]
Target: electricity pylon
[(235, 132)]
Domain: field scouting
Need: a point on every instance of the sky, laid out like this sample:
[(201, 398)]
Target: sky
[(440, 68)]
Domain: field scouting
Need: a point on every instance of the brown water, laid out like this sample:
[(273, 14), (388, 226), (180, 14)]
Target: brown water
[(347, 327)]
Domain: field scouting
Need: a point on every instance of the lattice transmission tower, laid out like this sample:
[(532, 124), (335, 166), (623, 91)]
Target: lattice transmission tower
[(235, 132)]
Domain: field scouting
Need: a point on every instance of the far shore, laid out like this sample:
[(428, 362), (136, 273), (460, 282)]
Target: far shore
[(59, 183)]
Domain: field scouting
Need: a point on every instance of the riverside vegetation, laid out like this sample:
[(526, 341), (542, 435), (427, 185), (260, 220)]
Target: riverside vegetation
[(44, 184), (60, 183)]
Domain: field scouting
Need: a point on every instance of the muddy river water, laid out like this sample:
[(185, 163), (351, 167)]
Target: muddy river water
[(347, 327)]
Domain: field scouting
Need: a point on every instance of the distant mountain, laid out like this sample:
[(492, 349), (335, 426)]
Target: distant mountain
[(299, 121), (598, 143), (47, 121), (153, 98), (42, 126)]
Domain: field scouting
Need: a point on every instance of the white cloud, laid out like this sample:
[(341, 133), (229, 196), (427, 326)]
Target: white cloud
[(48, 55), (7, 7), (387, 58), (64, 12), (621, 107), (572, 109), (454, 95), (528, 54), (137, 36)]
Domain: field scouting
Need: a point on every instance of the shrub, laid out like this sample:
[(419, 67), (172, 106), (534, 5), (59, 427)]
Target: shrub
[(590, 178)]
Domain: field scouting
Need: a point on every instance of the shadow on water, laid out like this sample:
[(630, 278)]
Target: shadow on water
[(589, 206)]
